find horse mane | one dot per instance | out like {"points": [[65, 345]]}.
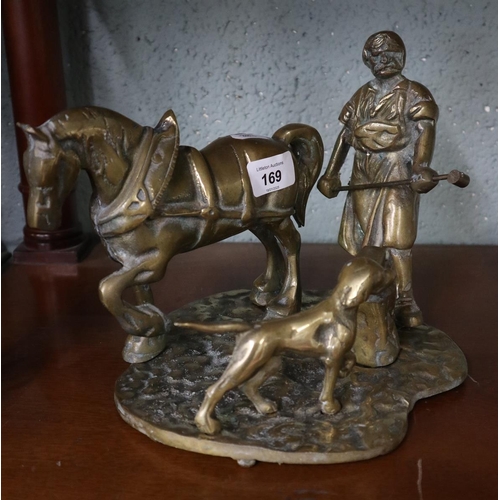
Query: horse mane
{"points": [[73, 121]]}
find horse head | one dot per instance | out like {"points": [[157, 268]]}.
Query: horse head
{"points": [[51, 172]]}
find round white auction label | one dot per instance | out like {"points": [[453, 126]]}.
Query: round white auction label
{"points": [[271, 174]]}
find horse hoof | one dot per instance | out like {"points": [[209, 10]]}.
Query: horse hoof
{"points": [[281, 307], [142, 349], [276, 310], [260, 298]]}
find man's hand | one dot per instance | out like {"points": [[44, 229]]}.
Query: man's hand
{"points": [[423, 182], [329, 186]]}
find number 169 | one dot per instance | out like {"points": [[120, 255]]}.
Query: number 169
{"points": [[272, 177]]}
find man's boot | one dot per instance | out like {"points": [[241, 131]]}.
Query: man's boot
{"points": [[406, 311]]}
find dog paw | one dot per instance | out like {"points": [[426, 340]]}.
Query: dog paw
{"points": [[266, 406], [330, 407], [207, 425]]}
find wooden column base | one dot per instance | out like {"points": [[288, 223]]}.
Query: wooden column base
{"points": [[36, 73], [23, 254]]}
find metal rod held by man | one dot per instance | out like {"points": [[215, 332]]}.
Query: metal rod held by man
{"points": [[454, 177]]}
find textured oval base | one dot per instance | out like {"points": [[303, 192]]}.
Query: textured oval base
{"points": [[161, 397]]}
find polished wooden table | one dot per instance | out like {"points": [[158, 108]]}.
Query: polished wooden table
{"points": [[63, 439]]}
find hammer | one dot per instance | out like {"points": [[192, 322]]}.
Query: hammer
{"points": [[455, 177]]}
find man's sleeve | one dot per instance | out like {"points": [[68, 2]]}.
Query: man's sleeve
{"points": [[349, 109], [346, 113], [423, 105]]}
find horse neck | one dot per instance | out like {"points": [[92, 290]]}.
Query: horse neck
{"points": [[104, 142]]}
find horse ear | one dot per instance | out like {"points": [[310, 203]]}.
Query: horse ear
{"points": [[33, 132], [167, 120]]}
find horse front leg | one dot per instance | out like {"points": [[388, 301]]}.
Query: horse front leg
{"points": [[143, 294], [269, 283], [289, 300], [144, 319], [146, 325], [138, 349]]}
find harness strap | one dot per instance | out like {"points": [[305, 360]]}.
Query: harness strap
{"points": [[205, 183], [152, 168], [247, 212], [132, 205]]}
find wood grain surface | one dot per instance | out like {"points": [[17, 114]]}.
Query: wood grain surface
{"points": [[62, 437]]}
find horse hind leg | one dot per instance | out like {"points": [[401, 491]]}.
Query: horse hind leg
{"points": [[289, 299], [269, 283]]}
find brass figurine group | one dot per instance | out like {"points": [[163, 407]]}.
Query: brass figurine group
{"points": [[154, 198]]}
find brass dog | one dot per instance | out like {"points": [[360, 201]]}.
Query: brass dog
{"points": [[327, 330]]}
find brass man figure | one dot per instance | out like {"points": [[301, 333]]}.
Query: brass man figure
{"points": [[390, 122]]}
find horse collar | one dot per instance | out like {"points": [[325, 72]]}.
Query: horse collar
{"points": [[132, 205]]}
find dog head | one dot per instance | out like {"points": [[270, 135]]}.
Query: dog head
{"points": [[360, 278]]}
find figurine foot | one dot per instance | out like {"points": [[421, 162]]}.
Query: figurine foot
{"points": [[330, 407], [264, 290], [281, 308], [141, 349], [246, 463], [407, 313], [207, 425], [261, 298]]}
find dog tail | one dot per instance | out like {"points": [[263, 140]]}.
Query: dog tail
{"points": [[227, 327]]}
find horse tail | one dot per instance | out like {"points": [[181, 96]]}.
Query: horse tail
{"points": [[228, 327], [307, 147]]}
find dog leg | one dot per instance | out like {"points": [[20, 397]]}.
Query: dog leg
{"points": [[251, 387], [349, 362], [203, 419], [240, 368], [328, 403]]}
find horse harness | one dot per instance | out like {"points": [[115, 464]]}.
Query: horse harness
{"points": [[152, 168]]}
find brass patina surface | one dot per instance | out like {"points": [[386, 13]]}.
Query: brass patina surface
{"points": [[160, 398], [154, 199]]}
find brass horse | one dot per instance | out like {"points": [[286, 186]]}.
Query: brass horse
{"points": [[153, 199]]}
